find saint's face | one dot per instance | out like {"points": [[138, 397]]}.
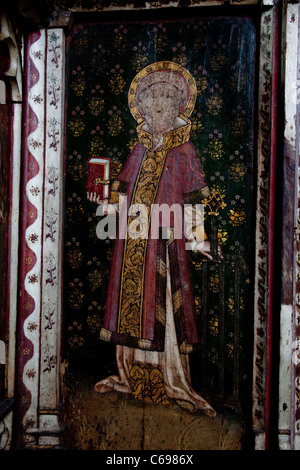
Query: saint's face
{"points": [[159, 104]]}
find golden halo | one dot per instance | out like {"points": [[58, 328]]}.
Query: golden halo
{"points": [[163, 66]]}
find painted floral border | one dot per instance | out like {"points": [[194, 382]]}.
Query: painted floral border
{"points": [[39, 323]]}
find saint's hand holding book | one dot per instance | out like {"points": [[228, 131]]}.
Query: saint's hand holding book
{"points": [[98, 182]]}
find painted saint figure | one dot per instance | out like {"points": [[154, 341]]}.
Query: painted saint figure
{"points": [[150, 310]]}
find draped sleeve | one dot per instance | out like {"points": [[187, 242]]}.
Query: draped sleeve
{"points": [[194, 184], [194, 190], [126, 177]]}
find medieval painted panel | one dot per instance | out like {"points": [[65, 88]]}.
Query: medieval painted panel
{"points": [[158, 114]]}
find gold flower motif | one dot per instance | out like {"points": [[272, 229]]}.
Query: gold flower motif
{"points": [[202, 84], [237, 217], [77, 127], [213, 324], [139, 61], [197, 264], [74, 258], [117, 84], [96, 105], [81, 44], [215, 148], [230, 304], [230, 349], [98, 62], [120, 41], [95, 279], [96, 145], [94, 323], [76, 341], [214, 282], [222, 237], [75, 171], [238, 125], [218, 60], [76, 298], [181, 59], [196, 127], [75, 211], [198, 304], [214, 104], [115, 125], [237, 171], [161, 43], [78, 86], [200, 41]]}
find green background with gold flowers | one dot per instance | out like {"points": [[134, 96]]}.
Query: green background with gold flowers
{"points": [[102, 60]]}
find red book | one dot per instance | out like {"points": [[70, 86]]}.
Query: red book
{"points": [[98, 176]]}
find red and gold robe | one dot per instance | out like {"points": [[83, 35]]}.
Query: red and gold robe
{"points": [[135, 312]]}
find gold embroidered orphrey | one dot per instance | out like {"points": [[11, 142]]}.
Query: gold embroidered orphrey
{"points": [[144, 193]]}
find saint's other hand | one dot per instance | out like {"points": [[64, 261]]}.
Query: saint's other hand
{"points": [[107, 208], [204, 248], [94, 197]]}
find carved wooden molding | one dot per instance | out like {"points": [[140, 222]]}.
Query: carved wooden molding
{"points": [[13, 74], [289, 372]]}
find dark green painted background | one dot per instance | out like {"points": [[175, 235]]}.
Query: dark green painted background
{"points": [[102, 59]]}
